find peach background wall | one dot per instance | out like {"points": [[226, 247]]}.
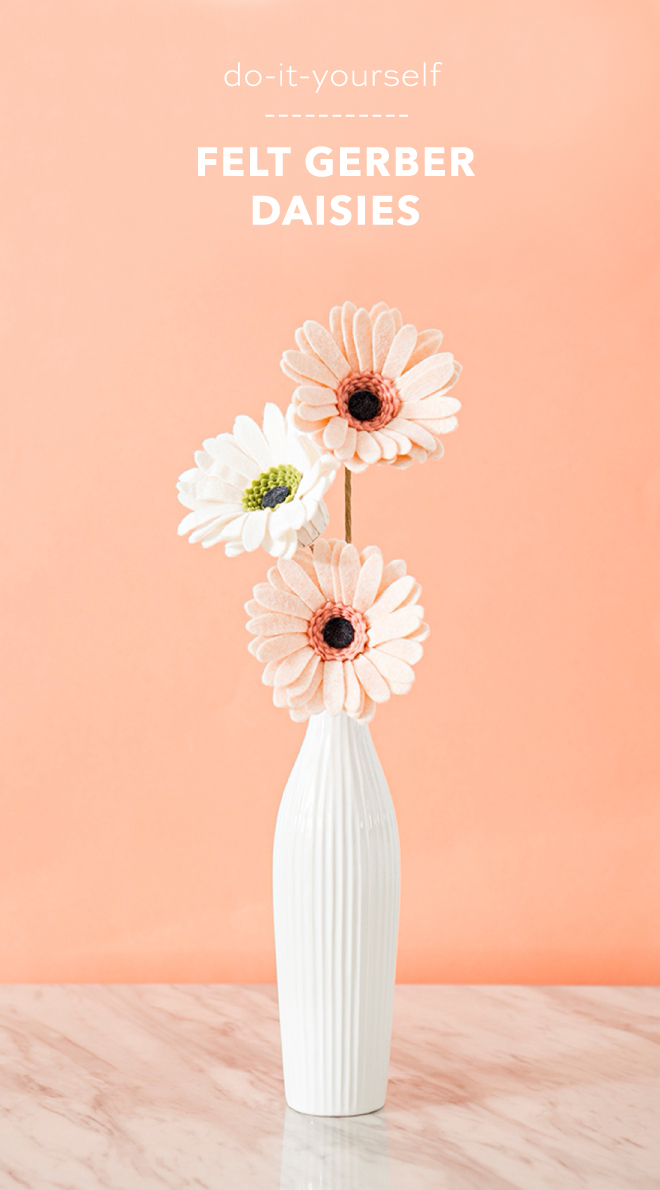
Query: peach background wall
{"points": [[142, 759]]}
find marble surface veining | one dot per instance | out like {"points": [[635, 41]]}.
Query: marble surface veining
{"points": [[134, 1088]]}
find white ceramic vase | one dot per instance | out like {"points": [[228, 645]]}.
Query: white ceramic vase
{"points": [[336, 905]]}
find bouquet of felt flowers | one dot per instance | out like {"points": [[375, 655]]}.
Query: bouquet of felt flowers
{"points": [[337, 630]]}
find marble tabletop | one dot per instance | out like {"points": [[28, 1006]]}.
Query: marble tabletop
{"points": [[140, 1087]]}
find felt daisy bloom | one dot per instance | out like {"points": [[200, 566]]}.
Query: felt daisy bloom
{"points": [[257, 487], [337, 630], [371, 390]]}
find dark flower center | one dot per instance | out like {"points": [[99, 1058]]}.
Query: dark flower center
{"points": [[363, 405], [338, 633], [275, 496]]}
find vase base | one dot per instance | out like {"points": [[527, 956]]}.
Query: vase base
{"points": [[313, 1111]]}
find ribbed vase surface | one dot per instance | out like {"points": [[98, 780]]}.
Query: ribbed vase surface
{"points": [[336, 905]]}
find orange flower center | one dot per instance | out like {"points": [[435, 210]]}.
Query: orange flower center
{"points": [[367, 400], [337, 632]]}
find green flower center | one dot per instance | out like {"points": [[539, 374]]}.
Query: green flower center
{"points": [[273, 487]]}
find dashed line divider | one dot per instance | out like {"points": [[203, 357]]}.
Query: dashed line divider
{"points": [[338, 115]]}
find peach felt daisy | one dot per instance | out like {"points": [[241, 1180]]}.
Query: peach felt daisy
{"points": [[371, 390], [338, 630]]}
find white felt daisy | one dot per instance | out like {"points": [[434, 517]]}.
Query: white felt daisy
{"points": [[257, 487], [338, 630], [371, 390]]}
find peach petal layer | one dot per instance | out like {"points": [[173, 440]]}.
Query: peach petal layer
{"points": [[332, 580], [373, 351]]}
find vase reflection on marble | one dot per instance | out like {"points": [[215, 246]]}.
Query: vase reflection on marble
{"points": [[336, 908], [335, 1154]]}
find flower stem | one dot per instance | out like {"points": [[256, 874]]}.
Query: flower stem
{"points": [[348, 520]]}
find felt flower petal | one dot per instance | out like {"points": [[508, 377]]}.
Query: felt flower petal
{"points": [[349, 572], [430, 408], [252, 441], [274, 624], [301, 584], [391, 598], [412, 596], [368, 582], [207, 515], [269, 671], [381, 338], [285, 545], [354, 696], [367, 447], [312, 394], [276, 647], [326, 349], [362, 336], [323, 567], [403, 648], [253, 530], [428, 343], [274, 429], [333, 686], [284, 602], [224, 450], [315, 704], [305, 559], [223, 529], [393, 669], [416, 433], [306, 414], [347, 450], [290, 516], [368, 710], [213, 488], [335, 327], [373, 682], [337, 551], [443, 425], [305, 696], [276, 581], [307, 365], [427, 377], [399, 352], [303, 344], [293, 665], [303, 683], [368, 552], [386, 443], [335, 432], [403, 622], [348, 313], [255, 645], [375, 310]]}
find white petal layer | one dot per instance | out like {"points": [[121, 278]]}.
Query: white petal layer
{"points": [[214, 490]]}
